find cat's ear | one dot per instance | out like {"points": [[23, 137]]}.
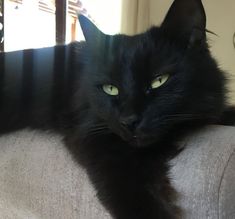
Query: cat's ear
{"points": [[186, 20], [89, 29]]}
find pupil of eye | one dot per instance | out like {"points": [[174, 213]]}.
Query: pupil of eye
{"points": [[160, 80]]}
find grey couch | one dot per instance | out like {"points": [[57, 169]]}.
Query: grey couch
{"points": [[40, 180]]}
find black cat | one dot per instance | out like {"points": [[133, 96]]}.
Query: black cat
{"points": [[121, 102]]}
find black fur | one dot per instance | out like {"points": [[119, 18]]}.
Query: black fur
{"points": [[60, 89]]}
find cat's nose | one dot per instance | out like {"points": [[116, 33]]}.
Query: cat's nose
{"points": [[129, 122]]}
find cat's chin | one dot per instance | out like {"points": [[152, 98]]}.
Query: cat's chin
{"points": [[140, 142], [137, 141]]}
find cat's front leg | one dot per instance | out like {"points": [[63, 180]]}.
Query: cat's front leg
{"points": [[136, 188]]}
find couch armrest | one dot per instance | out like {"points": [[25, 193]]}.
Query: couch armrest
{"points": [[39, 178], [204, 173]]}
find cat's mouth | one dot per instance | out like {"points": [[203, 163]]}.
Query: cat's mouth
{"points": [[135, 138], [138, 141]]}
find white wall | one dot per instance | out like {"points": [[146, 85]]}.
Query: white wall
{"points": [[221, 20]]}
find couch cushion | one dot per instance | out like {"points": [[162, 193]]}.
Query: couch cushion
{"points": [[204, 173], [40, 180]]}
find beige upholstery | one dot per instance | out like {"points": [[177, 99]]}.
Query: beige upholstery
{"points": [[204, 174], [39, 179]]}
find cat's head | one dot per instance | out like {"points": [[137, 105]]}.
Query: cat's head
{"points": [[146, 86]]}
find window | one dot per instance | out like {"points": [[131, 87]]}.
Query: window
{"points": [[42, 23], [28, 24], [1, 26], [73, 28]]}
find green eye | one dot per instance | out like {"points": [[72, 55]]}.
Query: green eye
{"points": [[159, 81], [110, 89]]}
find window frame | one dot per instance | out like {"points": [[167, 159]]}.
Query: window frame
{"points": [[2, 21]]}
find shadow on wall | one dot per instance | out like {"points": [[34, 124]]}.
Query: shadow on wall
{"points": [[234, 40]]}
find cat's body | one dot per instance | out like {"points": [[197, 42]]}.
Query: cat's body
{"points": [[121, 103], [37, 86]]}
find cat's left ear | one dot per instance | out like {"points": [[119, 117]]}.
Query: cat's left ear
{"points": [[89, 29], [186, 20]]}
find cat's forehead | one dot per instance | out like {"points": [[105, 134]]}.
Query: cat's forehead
{"points": [[144, 48], [130, 46], [144, 53], [127, 63]]}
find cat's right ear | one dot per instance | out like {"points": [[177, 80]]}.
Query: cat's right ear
{"points": [[89, 29], [186, 20]]}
